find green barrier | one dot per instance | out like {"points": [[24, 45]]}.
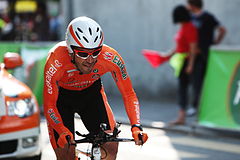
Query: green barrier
{"points": [[34, 57], [220, 100], [34, 60], [36, 80]]}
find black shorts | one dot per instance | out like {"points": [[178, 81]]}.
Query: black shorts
{"points": [[88, 103]]}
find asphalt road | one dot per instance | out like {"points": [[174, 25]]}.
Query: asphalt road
{"points": [[163, 145]]}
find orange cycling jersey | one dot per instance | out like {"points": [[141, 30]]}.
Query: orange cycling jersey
{"points": [[61, 72]]}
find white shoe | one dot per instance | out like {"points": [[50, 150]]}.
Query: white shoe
{"points": [[191, 111]]}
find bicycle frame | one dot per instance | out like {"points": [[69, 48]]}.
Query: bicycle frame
{"points": [[98, 140]]}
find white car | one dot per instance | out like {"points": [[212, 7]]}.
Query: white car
{"points": [[19, 115]]}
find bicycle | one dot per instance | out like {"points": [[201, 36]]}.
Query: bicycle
{"points": [[97, 140]]}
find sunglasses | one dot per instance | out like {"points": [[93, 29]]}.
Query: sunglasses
{"points": [[85, 53]]}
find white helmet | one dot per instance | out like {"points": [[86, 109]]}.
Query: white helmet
{"points": [[84, 32]]}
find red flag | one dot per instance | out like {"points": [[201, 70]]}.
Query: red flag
{"points": [[154, 57]]}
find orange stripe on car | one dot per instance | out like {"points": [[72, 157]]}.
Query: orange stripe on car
{"points": [[10, 124]]}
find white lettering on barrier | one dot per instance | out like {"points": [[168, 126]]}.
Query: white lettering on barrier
{"points": [[237, 95]]}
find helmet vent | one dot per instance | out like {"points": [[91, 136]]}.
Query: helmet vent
{"points": [[85, 39], [90, 31], [97, 29], [77, 35], [95, 39], [100, 35], [79, 30]]}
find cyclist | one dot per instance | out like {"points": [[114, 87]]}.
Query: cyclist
{"points": [[72, 84]]}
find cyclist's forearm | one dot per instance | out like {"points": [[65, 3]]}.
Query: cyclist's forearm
{"points": [[132, 108], [54, 119], [130, 101]]}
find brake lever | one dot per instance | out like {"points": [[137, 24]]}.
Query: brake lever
{"points": [[79, 134], [83, 135], [116, 132]]}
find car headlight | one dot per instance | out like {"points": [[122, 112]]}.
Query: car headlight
{"points": [[21, 108]]}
